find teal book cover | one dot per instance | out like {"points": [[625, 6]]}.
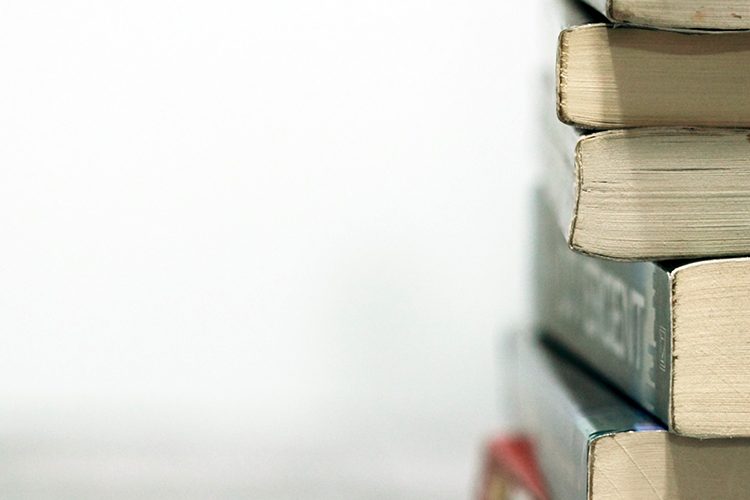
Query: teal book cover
{"points": [[591, 442]]}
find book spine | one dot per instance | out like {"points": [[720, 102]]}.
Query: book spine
{"points": [[554, 423], [615, 316], [564, 410], [569, 13], [603, 6], [556, 147]]}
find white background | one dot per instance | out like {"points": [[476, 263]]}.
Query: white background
{"points": [[259, 249]]}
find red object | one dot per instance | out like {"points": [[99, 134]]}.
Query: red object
{"points": [[510, 468]]}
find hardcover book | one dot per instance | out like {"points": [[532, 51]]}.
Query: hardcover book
{"points": [[592, 444], [671, 335]]}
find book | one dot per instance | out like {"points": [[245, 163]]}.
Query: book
{"points": [[510, 470], [678, 14], [592, 444], [652, 193], [671, 335], [617, 77]]}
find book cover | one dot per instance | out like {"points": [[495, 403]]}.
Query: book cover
{"points": [[565, 411], [510, 470], [671, 335], [592, 443]]}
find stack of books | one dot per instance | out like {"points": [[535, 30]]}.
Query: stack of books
{"points": [[635, 382]]}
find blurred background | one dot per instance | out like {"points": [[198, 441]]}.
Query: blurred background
{"points": [[259, 249]]}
